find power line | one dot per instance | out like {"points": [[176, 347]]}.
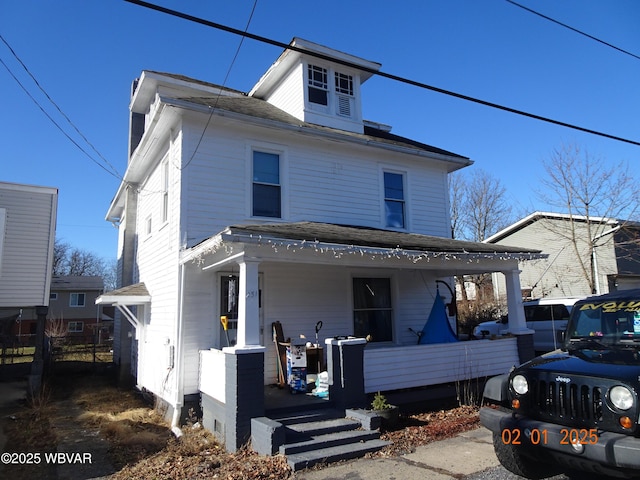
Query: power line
{"points": [[53, 121], [574, 29], [372, 71], [226, 77], [114, 171]]}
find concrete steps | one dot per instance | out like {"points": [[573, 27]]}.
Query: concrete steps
{"points": [[326, 436]]}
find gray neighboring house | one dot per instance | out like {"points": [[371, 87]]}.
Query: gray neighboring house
{"points": [[73, 310], [615, 260]]}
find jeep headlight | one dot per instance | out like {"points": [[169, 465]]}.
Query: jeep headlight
{"points": [[621, 397], [519, 384]]}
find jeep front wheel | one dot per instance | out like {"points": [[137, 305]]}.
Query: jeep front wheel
{"points": [[513, 458]]}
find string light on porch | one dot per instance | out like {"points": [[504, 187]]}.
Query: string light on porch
{"points": [[339, 251]]}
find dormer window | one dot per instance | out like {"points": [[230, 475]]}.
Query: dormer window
{"points": [[318, 87], [344, 84]]}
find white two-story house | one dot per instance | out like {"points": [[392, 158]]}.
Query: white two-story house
{"points": [[284, 205]]}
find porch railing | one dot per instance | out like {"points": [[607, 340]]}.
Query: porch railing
{"points": [[392, 368]]}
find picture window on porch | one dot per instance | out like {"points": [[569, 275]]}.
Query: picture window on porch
{"points": [[267, 191], [372, 309], [394, 203]]}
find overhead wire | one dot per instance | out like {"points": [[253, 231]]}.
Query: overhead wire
{"points": [[379, 73], [224, 82], [113, 171], [626, 52], [53, 120]]}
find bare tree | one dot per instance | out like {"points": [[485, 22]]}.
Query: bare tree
{"points": [[68, 260], [602, 197], [479, 209], [479, 206]]}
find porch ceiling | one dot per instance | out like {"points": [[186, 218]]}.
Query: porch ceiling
{"points": [[312, 241]]}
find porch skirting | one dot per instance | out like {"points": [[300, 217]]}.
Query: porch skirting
{"points": [[394, 368]]}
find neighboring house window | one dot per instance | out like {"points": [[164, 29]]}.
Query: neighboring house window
{"points": [[394, 202], [267, 190], [372, 312], [317, 83], [53, 296], [76, 327], [76, 300], [165, 191]]}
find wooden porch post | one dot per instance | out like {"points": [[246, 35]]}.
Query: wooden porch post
{"points": [[248, 304]]}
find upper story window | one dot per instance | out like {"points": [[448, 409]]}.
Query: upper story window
{"points": [[267, 190], [344, 83], [394, 201], [77, 300], [318, 85]]}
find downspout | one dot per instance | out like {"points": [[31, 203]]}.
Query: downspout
{"points": [[178, 360]]}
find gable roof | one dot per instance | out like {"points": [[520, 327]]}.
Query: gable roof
{"points": [[537, 216]]}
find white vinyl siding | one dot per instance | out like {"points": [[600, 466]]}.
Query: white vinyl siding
{"points": [[29, 229], [157, 266], [322, 181]]}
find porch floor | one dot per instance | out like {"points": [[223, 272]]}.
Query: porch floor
{"points": [[278, 400]]}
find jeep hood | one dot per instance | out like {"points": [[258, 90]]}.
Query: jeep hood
{"points": [[620, 364]]}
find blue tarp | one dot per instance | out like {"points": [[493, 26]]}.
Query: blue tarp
{"points": [[437, 329]]}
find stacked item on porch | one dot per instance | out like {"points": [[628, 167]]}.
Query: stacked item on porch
{"points": [[297, 368]]}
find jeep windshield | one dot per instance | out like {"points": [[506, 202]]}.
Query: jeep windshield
{"points": [[604, 324]]}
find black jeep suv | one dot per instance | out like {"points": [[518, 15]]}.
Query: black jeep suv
{"points": [[574, 410]]}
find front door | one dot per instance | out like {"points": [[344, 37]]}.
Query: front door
{"points": [[228, 301]]}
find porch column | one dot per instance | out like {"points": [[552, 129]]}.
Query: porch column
{"points": [[248, 304], [517, 321]]}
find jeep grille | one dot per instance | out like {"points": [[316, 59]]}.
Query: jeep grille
{"points": [[569, 400]]}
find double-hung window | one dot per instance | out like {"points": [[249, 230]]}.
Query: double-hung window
{"points": [[77, 300], [372, 310], [317, 85], [394, 200], [75, 327], [267, 190]]}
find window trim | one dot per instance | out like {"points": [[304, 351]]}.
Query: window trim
{"points": [[282, 152], [75, 323], [77, 305], [392, 298], [404, 201]]}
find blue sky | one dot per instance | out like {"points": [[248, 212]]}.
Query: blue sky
{"points": [[85, 54]]}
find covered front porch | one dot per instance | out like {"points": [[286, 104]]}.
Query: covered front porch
{"points": [[299, 274]]}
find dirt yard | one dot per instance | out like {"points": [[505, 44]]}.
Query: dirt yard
{"points": [[84, 414]]}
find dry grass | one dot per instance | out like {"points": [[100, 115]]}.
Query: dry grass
{"points": [[143, 447]]}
